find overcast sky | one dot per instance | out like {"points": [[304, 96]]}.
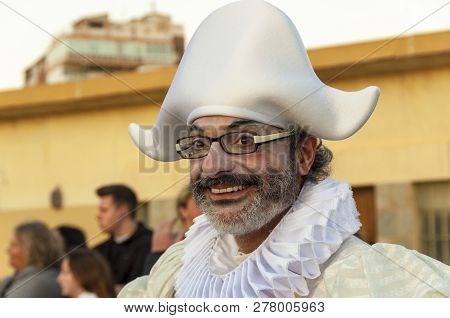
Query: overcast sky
{"points": [[320, 22]]}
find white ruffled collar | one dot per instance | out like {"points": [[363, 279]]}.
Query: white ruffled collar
{"points": [[322, 217]]}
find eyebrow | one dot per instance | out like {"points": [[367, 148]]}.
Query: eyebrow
{"points": [[236, 123], [194, 127], [240, 122]]}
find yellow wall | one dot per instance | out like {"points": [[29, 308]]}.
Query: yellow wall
{"points": [[407, 138], [78, 152]]}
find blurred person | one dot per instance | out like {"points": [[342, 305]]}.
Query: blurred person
{"points": [[34, 252], [247, 110], [85, 274], [73, 237], [129, 242], [163, 237]]}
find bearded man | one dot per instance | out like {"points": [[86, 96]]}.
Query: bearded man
{"points": [[247, 110]]}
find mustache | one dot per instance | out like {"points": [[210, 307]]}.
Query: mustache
{"points": [[227, 179]]}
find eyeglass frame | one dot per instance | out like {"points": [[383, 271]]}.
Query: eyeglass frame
{"points": [[257, 139]]}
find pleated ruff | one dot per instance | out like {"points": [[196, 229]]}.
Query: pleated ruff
{"points": [[322, 217]]}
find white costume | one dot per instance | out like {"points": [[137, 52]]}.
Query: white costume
{"points": [[311, 253], [247, 60]]}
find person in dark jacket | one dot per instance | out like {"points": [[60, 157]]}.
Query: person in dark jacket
{"points": [[34, 252], [129, 241]]}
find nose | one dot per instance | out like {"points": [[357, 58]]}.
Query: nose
{"points": [[217, 161]]}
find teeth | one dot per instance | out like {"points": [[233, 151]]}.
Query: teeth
{"points": [[226, 190]]}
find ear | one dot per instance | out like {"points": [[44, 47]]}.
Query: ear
{"points": [[184, 213], [306, 152], [123, 210]]}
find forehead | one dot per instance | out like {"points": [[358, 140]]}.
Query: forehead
{"points": [[15, 239], [106, 199], [214, 124], [217, 122]]}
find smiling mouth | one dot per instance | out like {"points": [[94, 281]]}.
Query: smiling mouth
{"points": [[228, 190]]}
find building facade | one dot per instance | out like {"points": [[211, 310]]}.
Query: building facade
{"points": [[73, 137], [96, 45]]}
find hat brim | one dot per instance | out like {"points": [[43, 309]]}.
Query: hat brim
{"points": [[341, 115]]}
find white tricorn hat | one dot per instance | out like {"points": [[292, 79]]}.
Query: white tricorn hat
{"points": [[247, 60]]}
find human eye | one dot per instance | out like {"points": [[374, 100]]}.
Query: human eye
{"points": [[243, 139], [198, 142]]}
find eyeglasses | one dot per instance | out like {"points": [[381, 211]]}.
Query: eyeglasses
{"points": [[235, 143]]}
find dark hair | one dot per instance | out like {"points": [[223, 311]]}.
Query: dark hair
{"points": [[92, 272], [320, 168], [73, 237], [43, 246], [121, 195]]}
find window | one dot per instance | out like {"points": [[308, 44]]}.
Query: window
{"points": [[365, 202], [434, 208], [435, 234], [96, 24]]}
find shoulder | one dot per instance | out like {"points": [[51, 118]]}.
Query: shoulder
{"points": [[161, 280], [172, 256], [384, 270], [45, 279], [142, 237], [137, 288], [4, 283], [36, 284], [101, 246], [142, 230]]}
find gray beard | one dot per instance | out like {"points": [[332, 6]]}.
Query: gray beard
{"points": [[273, 196]]}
